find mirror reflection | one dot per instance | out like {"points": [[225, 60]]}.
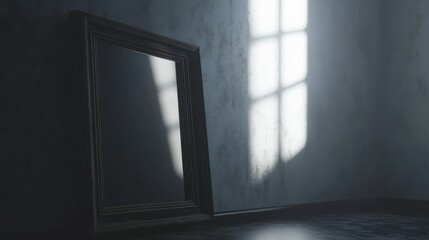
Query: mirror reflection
{"points": [[139, 119]]}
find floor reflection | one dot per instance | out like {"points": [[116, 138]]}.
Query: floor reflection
{"points": [[344, 226], [285, 232]]}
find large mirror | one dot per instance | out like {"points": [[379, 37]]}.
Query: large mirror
{"points": [[146, 127], [139, 119]]}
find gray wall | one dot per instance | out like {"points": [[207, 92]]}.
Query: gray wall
{"points": [[338, 161], [404, 91], [44, 180]]}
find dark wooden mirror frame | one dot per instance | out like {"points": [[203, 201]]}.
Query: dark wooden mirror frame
{"points": [[198, 205]]}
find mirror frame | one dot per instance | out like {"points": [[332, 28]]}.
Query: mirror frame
{"points": [[196, 172]]}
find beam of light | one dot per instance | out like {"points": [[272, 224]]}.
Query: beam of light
{"points": [[294, 58], [294, 15], [264, 142], [176, 150], [277, 83], [263, 67], [164, 73], [293, 120], [169, 105], [286, 233], [163, 70], [263, 17]]}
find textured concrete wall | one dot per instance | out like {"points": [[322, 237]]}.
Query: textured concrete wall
{"points": [[338, 161], [44, 181], [405, 90]]}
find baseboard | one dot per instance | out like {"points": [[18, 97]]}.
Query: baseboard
{"points": [[372, 205], [400, 205]]}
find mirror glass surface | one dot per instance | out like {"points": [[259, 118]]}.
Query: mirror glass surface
{"points": [[139, 127]]}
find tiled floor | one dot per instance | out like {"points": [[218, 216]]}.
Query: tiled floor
{"points": [[346, 226]]}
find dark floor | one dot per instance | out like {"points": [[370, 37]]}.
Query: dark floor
{"points": [[345, 226]]}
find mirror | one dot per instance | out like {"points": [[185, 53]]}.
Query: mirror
{"points": [[139, 120], [145, 127]]}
